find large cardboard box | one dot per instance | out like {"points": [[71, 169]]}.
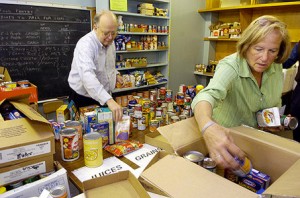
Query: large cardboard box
{"points": [[21, 171], [25, 139], [36, 188], [5, 73], [122, 184], [269, 153], [156, 139]]}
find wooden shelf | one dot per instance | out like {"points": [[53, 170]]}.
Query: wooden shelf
{"points": [[256, 6], [209, 74], [135, 88], [148, 66], [220, 39]]}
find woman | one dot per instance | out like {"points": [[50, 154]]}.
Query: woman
{"points": [[244, 83]]}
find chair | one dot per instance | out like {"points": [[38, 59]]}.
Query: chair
{"points": [[50, 107]]}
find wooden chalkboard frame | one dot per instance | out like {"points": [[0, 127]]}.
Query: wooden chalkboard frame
{"points": [[37, 44]]}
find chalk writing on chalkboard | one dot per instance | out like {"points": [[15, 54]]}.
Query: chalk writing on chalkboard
{"points": [[37, 44]]}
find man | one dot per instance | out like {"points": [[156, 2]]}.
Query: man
{"points": [[93, 75]]}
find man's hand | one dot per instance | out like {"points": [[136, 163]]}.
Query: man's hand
{"points": [[116, 110]]}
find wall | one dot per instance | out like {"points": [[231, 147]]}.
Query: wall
{"points": [[186, 42], [56, 3]]}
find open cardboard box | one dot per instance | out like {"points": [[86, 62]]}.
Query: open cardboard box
{"points": [[156, 139], [122, 184], [27, 138], [35, 189], [271, 154]]}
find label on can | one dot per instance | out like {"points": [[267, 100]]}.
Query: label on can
{"points": [[92, 143], [78, 126], [142, 123], [153, 125], [69, 144]]}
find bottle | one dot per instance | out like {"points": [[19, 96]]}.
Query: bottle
{"points": [[289, 122]]}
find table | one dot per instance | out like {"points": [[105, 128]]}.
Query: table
{"points": [[73, 165]]}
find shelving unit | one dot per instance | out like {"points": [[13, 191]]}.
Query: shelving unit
{"points": [[158, 59], [219, 48]]}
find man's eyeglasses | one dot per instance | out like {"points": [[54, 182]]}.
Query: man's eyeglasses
{"points": [[106, 34]]}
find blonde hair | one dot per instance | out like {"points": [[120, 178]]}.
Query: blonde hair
{"points": [[98, 16], [258, 30]]}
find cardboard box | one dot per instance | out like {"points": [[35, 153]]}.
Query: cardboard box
{"points": [[269, 153], [27, 138], [31, 91], [35, 189], [156, 139], [5, 73], [122, 184], [21, 171]]}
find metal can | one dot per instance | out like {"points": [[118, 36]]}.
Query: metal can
{"points": [[92, 143], [209, 164], [146, 105], [59, 191], [289, 122], [158, 112], [162, 93], [180, 98], [119, 100], [169, 95], [138, 111], [174, 119], [69, 144], [78, 126], [124, 102], [182, 88], [14, 185], [146, 94], [194, 156], [153, 95], [142, 123], [182, 117], [245, 167], [153, 125]]}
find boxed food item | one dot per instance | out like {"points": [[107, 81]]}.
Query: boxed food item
{"points": [[34, 189], [26, 169], [122, 184], [25, 138], [62, 113], [273, 155]]}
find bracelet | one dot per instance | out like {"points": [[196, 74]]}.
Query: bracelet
{"points": [[208, 124]]}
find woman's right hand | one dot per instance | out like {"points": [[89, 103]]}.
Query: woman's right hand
{"points": [[221, 146]]}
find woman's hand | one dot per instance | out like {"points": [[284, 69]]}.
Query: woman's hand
{"points": [[221, 146]]}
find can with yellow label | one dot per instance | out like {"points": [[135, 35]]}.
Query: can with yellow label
{"points": [[92, 146]]}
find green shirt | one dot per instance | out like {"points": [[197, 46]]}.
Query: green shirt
{"points": [[235, 95]]}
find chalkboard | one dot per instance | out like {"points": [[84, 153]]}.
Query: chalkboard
{"points": [[37, 44]]}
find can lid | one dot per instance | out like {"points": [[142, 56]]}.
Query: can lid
{"points": [[194, 156], [92, 136], [209, 163], [293, 124]]}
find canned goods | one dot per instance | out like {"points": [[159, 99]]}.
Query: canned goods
{"points": [[124, 101], [153, 95], [78, 126], [69, 144], [182, 88], [59, 191], [180, 98], [153, 125], [158, 112], [146, 115], [138, 111], [119, 100], [14, 185], [134, 122], [245, 167], [168, 95], [289, 122], [146, 94], [182, 117], [151, 113], [209, 164], [174, 119], [146, 105], [92, 143], [194, 156], [142, 123], [162, 93]]}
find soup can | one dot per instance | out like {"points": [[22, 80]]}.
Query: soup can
{"points": [[69, 144], [142, 123], [78, 126], [153, 125], [59, 191], [209, 164], [194, 156], [92, 143]]}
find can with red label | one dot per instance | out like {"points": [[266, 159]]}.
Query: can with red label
{"points": [[180, 98], [153, 95], [78, 126], [168, 95], [69, 144], [182, 88], [162, 93]]}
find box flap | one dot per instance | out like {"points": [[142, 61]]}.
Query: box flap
{"points": [[5, 72], [156, 139], [183, 133], [288, 185], [29, 112], [124, 181], [191, 180]]}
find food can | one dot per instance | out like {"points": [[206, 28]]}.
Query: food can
{"points": [[140, 94], [153, 95], [151, 113], [289, 122], [43, 175], [124, 102], [146, 115], [168, 95], [158, 112], [146, 94], [69, 144], [14, 185], [162, 93], [209, 164], [174, 119], [194, 156], [92, 143], [182, 88], [59, 191], [153, 125], [146, 105], [142, 123], [138, 111], [119, 100], [78, 126], [245, 167], [182, 117]]}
